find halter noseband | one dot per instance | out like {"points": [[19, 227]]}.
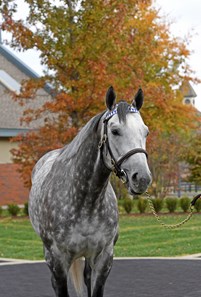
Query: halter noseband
{"points": [[120, 173]]}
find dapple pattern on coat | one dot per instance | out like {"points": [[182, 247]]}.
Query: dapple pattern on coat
{"points": [[73, 207]]}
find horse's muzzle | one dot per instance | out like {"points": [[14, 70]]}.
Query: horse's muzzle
{"points": [[138, 183]]}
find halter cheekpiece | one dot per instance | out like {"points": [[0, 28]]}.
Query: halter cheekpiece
{"points": [[105, 141]]}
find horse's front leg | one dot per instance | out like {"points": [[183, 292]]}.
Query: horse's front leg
{"points": [[59, 277], [102, 270], [87, 277]]}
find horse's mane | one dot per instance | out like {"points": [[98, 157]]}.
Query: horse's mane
{"points": [[87, 131], [90, 129]]}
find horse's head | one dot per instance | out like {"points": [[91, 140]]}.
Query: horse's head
{"points": [[124, 142]]}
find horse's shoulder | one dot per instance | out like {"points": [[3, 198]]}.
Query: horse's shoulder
{"points": [[45, 162]]}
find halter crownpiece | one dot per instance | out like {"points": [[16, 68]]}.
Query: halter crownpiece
{"points": [[110, 114]]}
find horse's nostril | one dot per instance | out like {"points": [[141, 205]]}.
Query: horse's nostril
{"points": [[134, 177]]}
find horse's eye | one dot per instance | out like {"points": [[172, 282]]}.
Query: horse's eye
{"points": [[147, 133], [115, 132]]}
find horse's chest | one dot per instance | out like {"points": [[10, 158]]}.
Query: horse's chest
{"points": [[87, 234], [86, 237]]}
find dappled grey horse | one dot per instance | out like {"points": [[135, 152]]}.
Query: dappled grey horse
{"points": [[72, 205]]}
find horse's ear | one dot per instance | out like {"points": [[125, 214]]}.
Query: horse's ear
{"points": [[138, 100], [110, 98]]}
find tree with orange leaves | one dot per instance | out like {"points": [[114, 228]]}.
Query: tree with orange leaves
{"points": [[87, 46]]}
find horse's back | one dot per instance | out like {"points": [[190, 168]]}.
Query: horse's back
{"points": [[39, 174]]}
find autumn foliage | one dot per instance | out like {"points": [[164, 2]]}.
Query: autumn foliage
{"points": [[87, 46]]}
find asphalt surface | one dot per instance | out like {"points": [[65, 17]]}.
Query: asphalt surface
{"points": [[138, 277]]}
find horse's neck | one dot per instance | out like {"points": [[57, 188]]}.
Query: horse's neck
{"points": [[100, 176], [89, 175], [91, 167]]}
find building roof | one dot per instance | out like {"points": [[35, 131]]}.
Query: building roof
{"points": [[187, 90], [12, 72], [17, 62], [9, 82]]}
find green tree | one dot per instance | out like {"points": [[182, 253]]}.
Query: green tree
{"points": [[192, 156]]}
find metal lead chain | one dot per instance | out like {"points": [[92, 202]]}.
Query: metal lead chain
{"points": [[174, 226]]}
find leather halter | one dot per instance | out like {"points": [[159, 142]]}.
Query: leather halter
{"points": [[120, 173]]}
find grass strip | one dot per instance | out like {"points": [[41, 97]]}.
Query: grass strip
{"points": [[140, 236]]}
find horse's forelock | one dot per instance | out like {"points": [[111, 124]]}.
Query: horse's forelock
{"points": [[122, 110]]}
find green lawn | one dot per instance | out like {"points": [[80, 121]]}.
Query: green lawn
{"points": [[140, 236], [18, 240]]}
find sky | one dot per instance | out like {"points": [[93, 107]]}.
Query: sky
{"points": [[185, 16]]}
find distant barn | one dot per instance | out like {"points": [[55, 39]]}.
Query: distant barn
{"points": [[188, 93]]}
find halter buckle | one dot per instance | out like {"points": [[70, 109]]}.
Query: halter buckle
{"points": [[120, 173], [102, 141], [123, 177]]}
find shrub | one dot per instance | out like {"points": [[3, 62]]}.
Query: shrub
{"points": [[120, 205], [26, 209], [128, 205], [158, 204], [185, 203], [142, 204], [171, 204], [197, 205], [1, 210], [13, 209]]}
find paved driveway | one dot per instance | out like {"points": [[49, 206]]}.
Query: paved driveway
{"points": [[136, 277]]}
